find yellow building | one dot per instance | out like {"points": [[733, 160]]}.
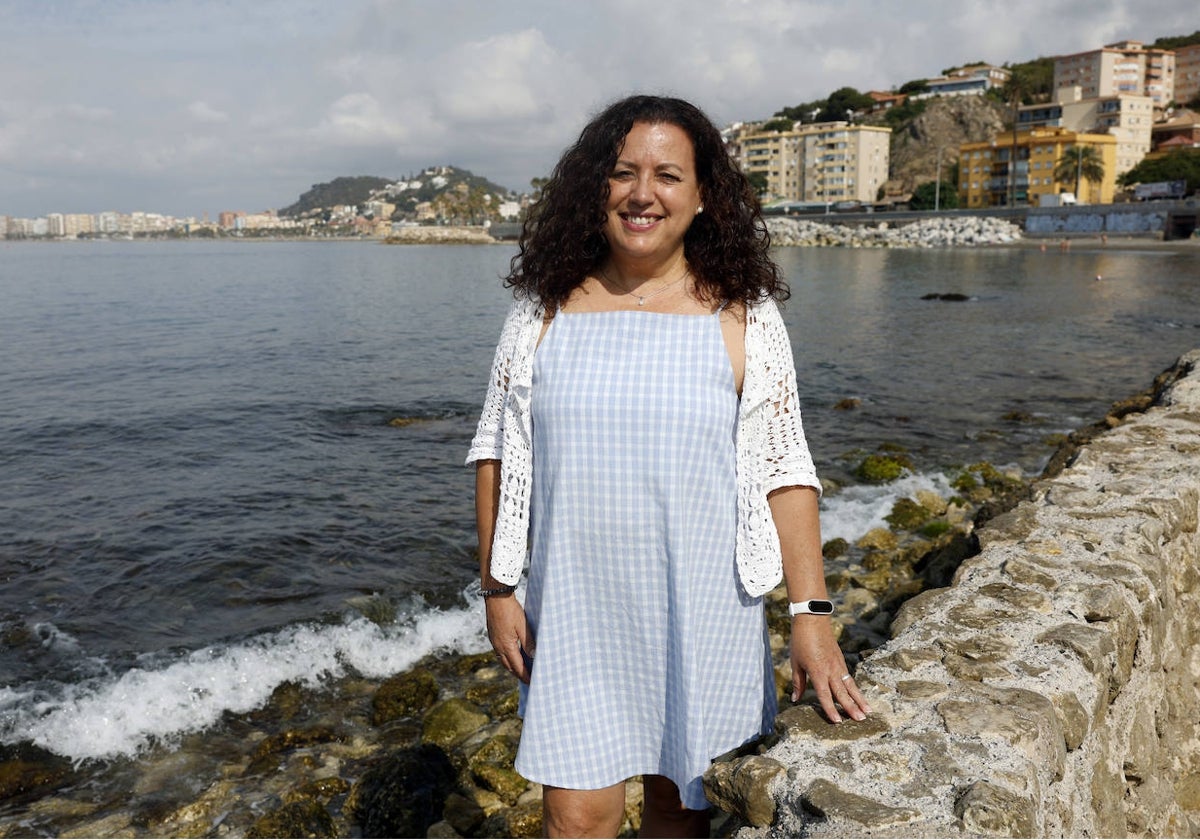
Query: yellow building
{"points": [[1019, 171], [816, 162]]}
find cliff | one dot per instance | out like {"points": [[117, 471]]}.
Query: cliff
{"points": [[945, 123], [1052, 690]]}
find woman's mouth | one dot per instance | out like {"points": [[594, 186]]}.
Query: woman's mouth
{"points": [[639, 221]]}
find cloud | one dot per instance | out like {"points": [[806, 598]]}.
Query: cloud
{"points": [[202, 112], [173, 105]]}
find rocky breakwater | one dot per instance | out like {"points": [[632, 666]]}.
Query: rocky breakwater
{"points": [[439, 235], [947, 231], [1051, 690]]}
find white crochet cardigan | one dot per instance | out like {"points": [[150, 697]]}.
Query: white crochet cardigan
{"points": [[771, 449]]}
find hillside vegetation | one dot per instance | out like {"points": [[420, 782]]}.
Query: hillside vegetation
{"points": [[454, 193]]}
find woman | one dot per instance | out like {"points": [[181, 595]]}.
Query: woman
{"points": [[641, 437]]}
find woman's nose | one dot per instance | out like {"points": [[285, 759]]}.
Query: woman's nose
{"points": [[643, 191]]}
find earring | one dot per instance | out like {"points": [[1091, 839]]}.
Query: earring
{"points": [[700, 209]]}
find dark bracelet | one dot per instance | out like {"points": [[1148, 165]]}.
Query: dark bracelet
{"points": [[499, 590]]}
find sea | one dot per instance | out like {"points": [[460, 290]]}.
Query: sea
{"points": [[228, 465]]}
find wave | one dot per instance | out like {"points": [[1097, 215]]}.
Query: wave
{"points": [[856, 510], [106, 719], [111, 716]]}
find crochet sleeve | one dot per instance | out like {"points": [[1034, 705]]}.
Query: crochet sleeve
{"points": [[786, 459], [488, 443]]}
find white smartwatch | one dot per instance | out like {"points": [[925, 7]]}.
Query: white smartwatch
{"points": [[813, 606]]}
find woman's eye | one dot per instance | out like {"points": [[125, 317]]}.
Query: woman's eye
{"points": [[621, 175]]}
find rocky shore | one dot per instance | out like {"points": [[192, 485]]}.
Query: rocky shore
{"points": [[429, 752], [941, 232]]}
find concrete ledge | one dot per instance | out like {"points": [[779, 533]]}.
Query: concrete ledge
{"points": [[1053, 690]]}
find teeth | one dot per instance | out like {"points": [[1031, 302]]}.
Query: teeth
{"points": [[641, 220]]}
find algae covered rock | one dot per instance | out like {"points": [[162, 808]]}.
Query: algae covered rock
{"points": [[404, 695], [404, 794], [25, 769], [451, 721], [907, 515], [886, 465], [302, 818], [492, 767]]}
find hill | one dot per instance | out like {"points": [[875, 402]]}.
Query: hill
{"points": [[352, 190], [942, 123], [453, 192]]}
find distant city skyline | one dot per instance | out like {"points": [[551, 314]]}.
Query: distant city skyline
{"points": [[189, 108]]}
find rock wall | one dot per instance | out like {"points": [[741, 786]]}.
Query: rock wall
{"points": [[1052, 690]]}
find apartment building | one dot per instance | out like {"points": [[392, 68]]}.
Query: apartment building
{"points": [[819, 162], [974, 79], [1187, 74], [1128, 118], [1008, 171], [1126, 67]]}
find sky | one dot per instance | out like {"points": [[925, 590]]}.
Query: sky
{"points": [[188, 107]]}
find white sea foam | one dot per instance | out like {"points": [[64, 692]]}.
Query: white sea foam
{"points": [[102, 719], [857, 509]]}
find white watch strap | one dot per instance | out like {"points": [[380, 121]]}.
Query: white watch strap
{"points": [[813, 606]]}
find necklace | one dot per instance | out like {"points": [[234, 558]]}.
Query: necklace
{"points": [[641, 299]]}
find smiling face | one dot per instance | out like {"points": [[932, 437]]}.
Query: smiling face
{"points": [[653, 196]]}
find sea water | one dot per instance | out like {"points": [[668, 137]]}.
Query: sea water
{"points": [[228, 465]]}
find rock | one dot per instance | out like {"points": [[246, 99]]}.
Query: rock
{"points": [[953, 297], [907, 515], [807, 721], [501, 779], [28, 769], [266, 755], [304, 818], [834, 548], [452, 721], [830, 802], [879, 468], [742, 787], [523, 821], [878, 539], [403, 794], [404, 695], [463, 814], [442, 831], [989, 810]]}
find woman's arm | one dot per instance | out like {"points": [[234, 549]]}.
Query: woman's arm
{"points": [[815, 655], [507, 627]]}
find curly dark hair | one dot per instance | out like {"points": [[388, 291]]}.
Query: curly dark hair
{"points": [[562, 240]]}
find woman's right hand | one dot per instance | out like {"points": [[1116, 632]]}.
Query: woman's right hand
{"points": [[508, 631]]}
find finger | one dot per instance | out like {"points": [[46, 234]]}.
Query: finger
{"points": [[844, 697], [799, 681], [857, 696], [825, 699], [523, 666]]}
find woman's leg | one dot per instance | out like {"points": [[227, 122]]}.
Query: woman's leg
{"points": [[663, 815], [583, 813]]}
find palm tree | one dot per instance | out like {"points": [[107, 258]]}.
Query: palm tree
{"points": [[1078, 163]]}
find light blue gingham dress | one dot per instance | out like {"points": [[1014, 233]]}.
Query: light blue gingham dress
{"points": [[650, 657]]}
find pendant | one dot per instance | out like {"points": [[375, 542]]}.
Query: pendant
{"points": [[641, 301]]}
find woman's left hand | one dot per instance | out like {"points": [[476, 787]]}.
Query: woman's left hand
{"points": [[817, 659]]}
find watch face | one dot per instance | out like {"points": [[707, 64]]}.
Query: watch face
{"points": [[820, 607]]}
